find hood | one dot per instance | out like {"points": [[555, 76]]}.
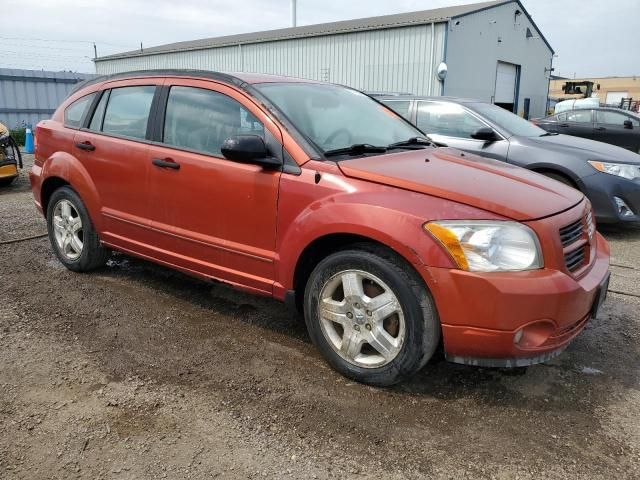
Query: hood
{"points": [[582, 147], [483, 183]]}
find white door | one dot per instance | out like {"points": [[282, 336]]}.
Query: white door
{"points": [[506, 76], [614, 98]]}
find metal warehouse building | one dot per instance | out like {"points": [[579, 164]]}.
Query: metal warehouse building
{"points": [[28, 96], [493, 52]]}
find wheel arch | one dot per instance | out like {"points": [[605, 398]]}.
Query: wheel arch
{"points": [[558, 170]]}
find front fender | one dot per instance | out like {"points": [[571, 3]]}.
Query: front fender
{"points": [[390, 216], [70, 169]]}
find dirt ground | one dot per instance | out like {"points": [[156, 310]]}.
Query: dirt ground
{"points": [[136, 371]]}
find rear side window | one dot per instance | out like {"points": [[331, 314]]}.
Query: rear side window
{"points": [[127, 112], [201, 120], [75, 113], [562, 117], [400, 107], [579, 116]]}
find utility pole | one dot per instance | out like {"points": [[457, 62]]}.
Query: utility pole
{"points": [[293, 13], [95, 50]]}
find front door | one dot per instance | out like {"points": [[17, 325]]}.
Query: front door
{"points": [[610, 128], [114, 151], [451, 124], [578, 123], [220, 214]]}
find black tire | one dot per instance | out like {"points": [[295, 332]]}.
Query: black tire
{"points": [[93, 254], [5, 182], [422, 326]]}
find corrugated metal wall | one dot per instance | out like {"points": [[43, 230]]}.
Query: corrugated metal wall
{"points": [[391, 60], [28, 96]]}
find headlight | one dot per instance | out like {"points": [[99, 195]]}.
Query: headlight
{"points": [[488, 246], [623, 170]]}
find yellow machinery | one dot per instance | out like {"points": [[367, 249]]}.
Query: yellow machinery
{"points": [[10, 158]]}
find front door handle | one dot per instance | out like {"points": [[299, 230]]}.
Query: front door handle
{"points": [[600, 128], [165, 163], [86, 146], [563, 125]]}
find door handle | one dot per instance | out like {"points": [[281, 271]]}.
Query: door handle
{"points": [[165, 163], [600, 128], [86, 146], [563, 125]]}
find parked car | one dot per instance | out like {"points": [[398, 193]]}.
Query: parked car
{"points": [[609, 125], [609, 176], [317, 195]]}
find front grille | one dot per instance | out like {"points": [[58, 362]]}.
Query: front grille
{"points": [[571, 233], [575, 259]]}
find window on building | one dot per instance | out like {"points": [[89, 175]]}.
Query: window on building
{"points": [[448, 119], [127, 112], [201, 120], [75, 113]]}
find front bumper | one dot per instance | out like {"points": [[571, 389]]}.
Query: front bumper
{"points": [[601, 188], [482, 313]]}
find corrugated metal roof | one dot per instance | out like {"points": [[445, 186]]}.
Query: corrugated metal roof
{"points": [[360, 24]]}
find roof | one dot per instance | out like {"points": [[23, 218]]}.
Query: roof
{"points": [[431, 98], [238, 79], [361, 24]]}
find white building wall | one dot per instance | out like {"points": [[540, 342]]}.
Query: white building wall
{"points": [[390, 60], [473, 51]]}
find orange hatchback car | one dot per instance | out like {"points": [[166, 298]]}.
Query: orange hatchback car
{"points": [[318, 195]]}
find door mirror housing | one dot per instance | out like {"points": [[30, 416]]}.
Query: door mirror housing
{"points": [[628, 124], [249, 149], [485, 133]]}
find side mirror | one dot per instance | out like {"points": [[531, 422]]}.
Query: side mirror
{"points": [[249, 149], [485, 133], [628, 124]]}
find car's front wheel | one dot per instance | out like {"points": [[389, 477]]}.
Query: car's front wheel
{"points": [[371, 316], [71, 232]]}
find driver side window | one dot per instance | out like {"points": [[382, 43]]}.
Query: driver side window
{"points": [[201, 120], [448, 119]]}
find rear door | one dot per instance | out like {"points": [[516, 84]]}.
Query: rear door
{"points": [[452, 124], [578, 123], [220, 215], [113, 148], [610, 128]]}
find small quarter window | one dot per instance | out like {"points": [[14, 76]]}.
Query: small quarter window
{"points": [[398, 106], [127, 112], [579, 116], [75, 113]]}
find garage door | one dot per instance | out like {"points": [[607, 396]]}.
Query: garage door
{"points": [[614, 98], [506, 76]]}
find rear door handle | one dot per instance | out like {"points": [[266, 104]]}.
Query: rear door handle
{"points": [[85, 146], [563, 125], [165, 163], [600, 128]]}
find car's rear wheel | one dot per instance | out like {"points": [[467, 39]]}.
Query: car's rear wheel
{"points": [[72, 234], [371, 316]]}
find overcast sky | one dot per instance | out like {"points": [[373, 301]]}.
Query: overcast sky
{"points": [[591, 38]]}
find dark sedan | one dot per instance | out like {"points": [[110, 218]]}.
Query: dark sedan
{"points": [[609, 125], [608, 175]]}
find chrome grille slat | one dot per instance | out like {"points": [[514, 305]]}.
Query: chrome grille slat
{"points": [[574, 260], [571, 233]]}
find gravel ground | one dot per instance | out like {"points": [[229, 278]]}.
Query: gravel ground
{"points": [[136, 371]]}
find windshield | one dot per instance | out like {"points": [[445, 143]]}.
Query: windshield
{"points": [[335, 117], [507, 121]]}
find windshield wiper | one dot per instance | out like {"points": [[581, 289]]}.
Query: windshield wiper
{"points": [[355, 149], [549, 134], [412, 143]]}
